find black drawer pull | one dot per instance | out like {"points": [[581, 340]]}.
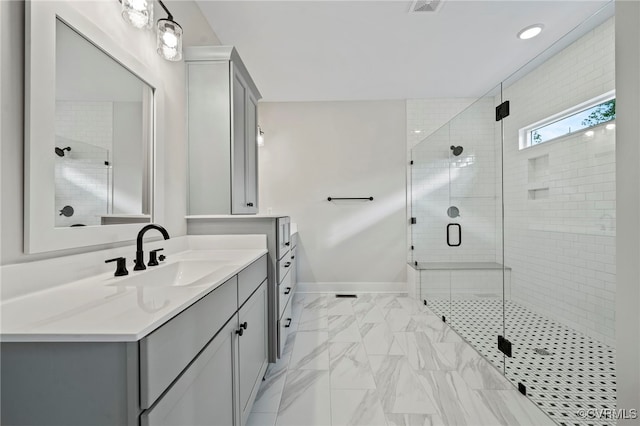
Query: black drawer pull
{"points": [[286, 265], [240, 332], [244, 325], [293, 257], [249, 204], [288, 290], [288, 324]]}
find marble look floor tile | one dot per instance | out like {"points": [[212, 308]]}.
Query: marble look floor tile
{"points": [[394, 419], [514, 409], [368, 313], [350, 367], [435, 329], [457, 403], [400, 389], [400, 320], [477, 372], [315, 300], [387, 301], [344, 328], [356, 407], [270, 391], [310, 351], [313, 320], [306, 399], [421, 353], [261, 419], [340, 306], [378, 339], [413, 306]]}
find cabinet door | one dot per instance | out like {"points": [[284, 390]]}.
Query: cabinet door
{"points": [[252, 349], [204, 394], [238, 164], [251, 154]]}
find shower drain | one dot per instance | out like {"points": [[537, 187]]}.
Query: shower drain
{"points": [[542, 351]]}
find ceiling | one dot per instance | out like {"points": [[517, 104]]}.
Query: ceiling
{"points": [[370, 50]]}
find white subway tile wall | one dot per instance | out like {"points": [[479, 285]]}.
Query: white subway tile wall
{"points": [[560, 196], [82, 179]]}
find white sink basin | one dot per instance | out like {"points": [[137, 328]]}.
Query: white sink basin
{"points": [[176, 274]]}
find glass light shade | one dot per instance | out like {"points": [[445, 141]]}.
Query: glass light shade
{"points": [[169, 40], [138, 13]]}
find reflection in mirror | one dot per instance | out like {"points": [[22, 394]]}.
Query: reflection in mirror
{"points": [[103, 122]]}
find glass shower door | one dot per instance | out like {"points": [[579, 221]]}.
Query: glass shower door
{"points": [[474, 229]]}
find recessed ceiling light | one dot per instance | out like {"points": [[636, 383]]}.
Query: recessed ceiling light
{"points": [[530, 32], [417, 131]]}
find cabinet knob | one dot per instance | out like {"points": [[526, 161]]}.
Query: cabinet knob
{"points": [[288, 323], [286, 265], [240, 332], [288, 290], [249, 204], [244, 325]]}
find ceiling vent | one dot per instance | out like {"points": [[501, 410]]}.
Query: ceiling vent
{"points": [[426, 5]]}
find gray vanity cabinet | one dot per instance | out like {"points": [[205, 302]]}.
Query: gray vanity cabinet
{"points": [[252, 350], [203, 395], [222, 121], [202, 367]]}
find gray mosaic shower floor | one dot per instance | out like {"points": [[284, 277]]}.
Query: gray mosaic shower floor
{"points": [[577, 376]]}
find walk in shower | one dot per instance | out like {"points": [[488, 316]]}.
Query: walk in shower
{"points": [[513, 225]]}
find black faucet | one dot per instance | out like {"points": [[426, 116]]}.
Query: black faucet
{"points": [[139, 253]]}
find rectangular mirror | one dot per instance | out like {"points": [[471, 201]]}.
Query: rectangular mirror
{"points": [[91, 134], [102, 136]]}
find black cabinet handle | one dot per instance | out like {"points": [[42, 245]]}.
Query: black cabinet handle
{"points": [[293, 257], [244, 325], [286, 265], [288, 290], [287, 244], [249, 204], [288, 324], [240, 332]]}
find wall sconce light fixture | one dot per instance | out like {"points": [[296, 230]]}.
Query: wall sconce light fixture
{"points": [[139, 13], [260, 138], [169, 38]]}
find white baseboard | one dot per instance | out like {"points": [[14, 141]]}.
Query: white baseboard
{"points": [[352, 287]]}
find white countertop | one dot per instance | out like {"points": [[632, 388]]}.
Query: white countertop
{"points": [[97, 309]]}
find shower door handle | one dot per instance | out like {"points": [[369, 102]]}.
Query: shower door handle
{"points": [[451, 231]]}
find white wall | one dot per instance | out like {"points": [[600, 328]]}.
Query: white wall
{"points": [[340, 149], [628, 206], [562, 247], [105, 14]]}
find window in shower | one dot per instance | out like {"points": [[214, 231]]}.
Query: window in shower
{"points": [[582, 117]]}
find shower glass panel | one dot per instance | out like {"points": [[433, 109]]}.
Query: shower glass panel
{"points": [[560, 228], [429, 204], [475, 257]]}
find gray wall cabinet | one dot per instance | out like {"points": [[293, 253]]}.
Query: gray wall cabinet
{"points": [[202, 367], [222, 114]]}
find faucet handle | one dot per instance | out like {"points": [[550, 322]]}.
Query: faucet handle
{"points": [[121, 266], [153, 259]]}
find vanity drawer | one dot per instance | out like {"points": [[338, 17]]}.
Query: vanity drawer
{"points": [[250, 278], [169, 349], [283, 267], [285, 290], [284, 328]]}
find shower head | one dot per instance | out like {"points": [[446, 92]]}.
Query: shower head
{"points": [[60, 151], [457, 150]]}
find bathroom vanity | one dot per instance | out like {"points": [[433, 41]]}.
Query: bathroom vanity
{"points": [[182, 343]]}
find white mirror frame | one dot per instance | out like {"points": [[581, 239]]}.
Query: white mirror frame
{"points": [[40, 233]]}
